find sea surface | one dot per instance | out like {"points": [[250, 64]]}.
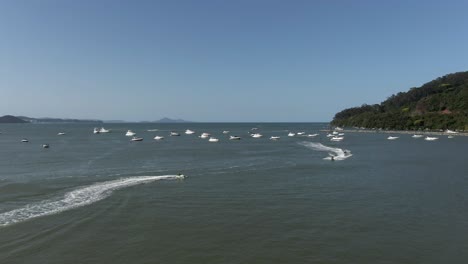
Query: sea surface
{"points": [[100, 198]]}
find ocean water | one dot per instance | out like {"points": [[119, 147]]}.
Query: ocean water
{"points": [[104, 199]]}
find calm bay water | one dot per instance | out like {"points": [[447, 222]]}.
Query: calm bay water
{"points": [[103, 199]]}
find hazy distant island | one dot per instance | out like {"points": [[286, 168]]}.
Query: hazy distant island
{"points": [[169, 120], [45, 120], [438, 104], [11, 119]]}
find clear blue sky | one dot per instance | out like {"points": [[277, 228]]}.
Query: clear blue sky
{"points": [[211, 60]]}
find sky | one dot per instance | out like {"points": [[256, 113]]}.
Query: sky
{"points": [[221, 61]]}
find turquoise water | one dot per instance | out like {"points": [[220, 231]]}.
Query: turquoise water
{"points": [[103, 199]]}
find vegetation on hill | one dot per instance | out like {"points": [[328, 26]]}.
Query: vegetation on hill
{"points": [[439, 104]]}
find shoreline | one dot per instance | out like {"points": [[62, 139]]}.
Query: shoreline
{"points": [[405, 132]]}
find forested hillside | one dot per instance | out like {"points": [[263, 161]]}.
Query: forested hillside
{"points": [[438, 104]]}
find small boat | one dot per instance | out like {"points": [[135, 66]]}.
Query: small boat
{"points": [[338, 128], [205, 135], [25, 140], [312, 135], [137, 139], [430, 138], [340, 134], [151, 130], [300, 133], [130, 133], [96, 130], [335, 133], [330, 135], [417, 136], [189, 132], [392, 138], [448, 131], [274, 138], [336, 139], [45, 145], [234, 138], [212, 139], [174, 134], [256, 135], [225, 132], [61, 134], [450, 136], [103, 130], [158, 138], [291, 134]]}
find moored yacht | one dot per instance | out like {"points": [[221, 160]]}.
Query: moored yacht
{"points": [[212, 139], [225, 132], [205, 135], [256, 135], [392, 138], [103, 130], [158, 138], [291, 134], [137, 139], [189, 132], [130, 133], [45, 145], [174, 134], [312, 135], [25, 140], [274, 138], [336, 139], [61, 134], [430, 138], [234, 138]]}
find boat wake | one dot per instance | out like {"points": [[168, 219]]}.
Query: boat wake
{"points": [[80, 197], [336, 153]]}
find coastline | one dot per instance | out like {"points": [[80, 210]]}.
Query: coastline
{"points": [[405, 132]]}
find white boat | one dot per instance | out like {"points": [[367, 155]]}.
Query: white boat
{"points": [[256, 135], [158, 137], [300, 133], [212, 139], [130, 133], [96, 130], [335, 133], [61, 134], [137, 139], [274, 138], [330, 135], [225, 132], [234, 138], [189, 132], [338, 128], [24, 140], [450, 136], [417, 136], [174, 134], [103, 130], [205, 135], [448, 131], [430, 138], [312, 135], [291, 134], [392, 138], [336, 139], [45, 145], [340, 134]]}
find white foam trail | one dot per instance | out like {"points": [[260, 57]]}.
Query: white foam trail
{"points": [[337, 153], [76, 198]]}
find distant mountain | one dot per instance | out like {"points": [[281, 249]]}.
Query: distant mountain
{"points": [[438, 104], [169, 120], [11, 119], [58, 120]]}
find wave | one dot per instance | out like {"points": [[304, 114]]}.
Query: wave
{"points": [[336, 153], [76, 198]]}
